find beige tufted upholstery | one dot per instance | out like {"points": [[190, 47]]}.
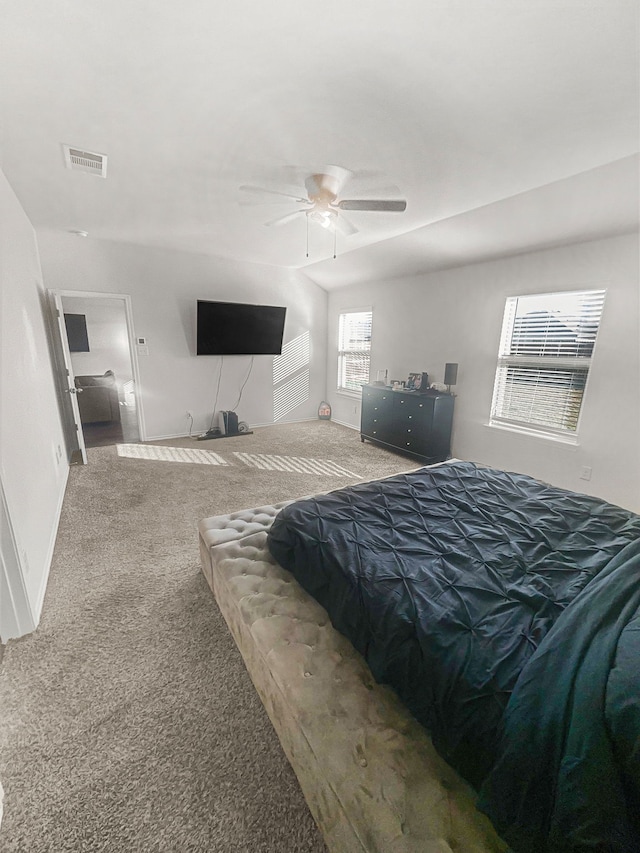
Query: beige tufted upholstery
{"points": [[368, 770]]}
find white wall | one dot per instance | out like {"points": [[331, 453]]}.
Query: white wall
{"points": [[164, 286], [33, 464], [456, 316]]}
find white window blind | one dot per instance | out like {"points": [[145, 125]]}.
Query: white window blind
{"points": [[545, 354], [354, 350]]}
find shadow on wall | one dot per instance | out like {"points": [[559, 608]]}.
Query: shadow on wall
{"points": [[291, 376]]}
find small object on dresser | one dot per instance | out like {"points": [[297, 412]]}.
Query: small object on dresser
{"points": [[417, 382], [450, 375], [410, 384]]}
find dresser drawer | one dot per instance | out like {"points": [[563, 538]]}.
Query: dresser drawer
{"points": [[416, 408], [377, 413]]}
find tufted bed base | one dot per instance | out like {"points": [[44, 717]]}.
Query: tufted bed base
{"points": [[368, 770]]}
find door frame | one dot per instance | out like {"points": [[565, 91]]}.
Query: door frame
{"points": [[17, 617], [133, 352]]}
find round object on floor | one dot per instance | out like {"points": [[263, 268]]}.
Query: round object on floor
{"points": [[324, 411]]}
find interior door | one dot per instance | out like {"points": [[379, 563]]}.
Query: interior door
{"points": [[71, 389]]}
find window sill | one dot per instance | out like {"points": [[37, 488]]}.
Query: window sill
{"points": [[354, 395], [541, 435]]}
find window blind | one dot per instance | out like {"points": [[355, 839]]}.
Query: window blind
{"points": [[354, 350], [545, 354]]}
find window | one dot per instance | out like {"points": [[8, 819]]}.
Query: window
{"points": [[545, 355], [354, 350]]}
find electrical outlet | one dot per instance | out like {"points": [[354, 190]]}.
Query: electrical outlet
{"points": [[355, 409], [585, 472]]}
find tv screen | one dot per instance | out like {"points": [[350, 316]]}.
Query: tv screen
{"points": [[232, 328], [77, 332]]}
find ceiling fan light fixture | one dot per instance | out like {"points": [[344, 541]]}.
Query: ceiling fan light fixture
{"points": [[324, 218]]}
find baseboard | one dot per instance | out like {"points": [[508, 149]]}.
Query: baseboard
{"points": [[345, 424], [37, 606], [278, 423], [195, 433], [171, 435]]}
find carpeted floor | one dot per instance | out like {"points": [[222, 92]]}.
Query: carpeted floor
{"points": [[127, 720]]}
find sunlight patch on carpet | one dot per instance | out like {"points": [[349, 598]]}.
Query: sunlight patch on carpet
{"points": [[170, 454], [295, 464]]}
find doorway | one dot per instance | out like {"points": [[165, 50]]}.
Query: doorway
{"points": [[102, 366]]}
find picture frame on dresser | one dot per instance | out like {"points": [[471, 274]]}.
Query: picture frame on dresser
{"points": [[413, 382], [418, 382]]}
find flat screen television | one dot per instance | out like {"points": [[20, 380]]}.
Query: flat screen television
{"points": [[77, 336], [234, 328]]}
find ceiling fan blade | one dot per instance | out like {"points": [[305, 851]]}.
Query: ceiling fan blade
{"points": [[270, 200], [390, 206], [313, 184], [249, 189], [339, 176], [282, 220], [344, 226]]}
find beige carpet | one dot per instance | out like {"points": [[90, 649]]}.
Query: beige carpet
{"points": [[127, 720]]}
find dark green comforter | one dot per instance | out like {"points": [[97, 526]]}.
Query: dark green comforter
{"points": [[568, 773]]}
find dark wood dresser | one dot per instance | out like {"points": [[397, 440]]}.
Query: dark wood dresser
{"points": [[408, 421]]}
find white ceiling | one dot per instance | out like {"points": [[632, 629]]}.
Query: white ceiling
{"points": [[506, 124]]}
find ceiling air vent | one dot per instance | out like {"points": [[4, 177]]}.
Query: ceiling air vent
{"points": [[85, 161]]}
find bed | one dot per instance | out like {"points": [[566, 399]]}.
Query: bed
{"points": [[501, 611]]}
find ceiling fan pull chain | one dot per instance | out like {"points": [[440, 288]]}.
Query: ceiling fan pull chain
{"points": [[335, 236], [307, 220]]}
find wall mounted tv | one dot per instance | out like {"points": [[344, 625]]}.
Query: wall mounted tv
{"points": [[234, 328], [77, 336]]}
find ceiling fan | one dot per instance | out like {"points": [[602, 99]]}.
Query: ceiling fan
{"points": [[323, 204]]}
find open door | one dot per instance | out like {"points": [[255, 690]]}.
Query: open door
{"points": [[70, 378]]}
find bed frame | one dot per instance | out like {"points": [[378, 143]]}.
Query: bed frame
{"points": [[369, 772]]}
